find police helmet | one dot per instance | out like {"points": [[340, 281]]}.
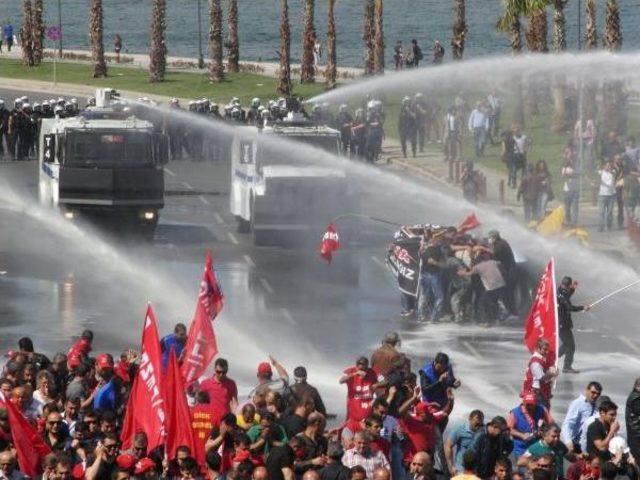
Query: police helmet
{"points": [[91, 101], [215, 107], [26, 106], [24, 99], [235, 101], [1, 103], [58, 110], [406, 101], [37, 107], [61, 101], [74, 101], [17, 103], [255, 102]]}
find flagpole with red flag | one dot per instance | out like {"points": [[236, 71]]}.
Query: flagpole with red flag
{"points": [[542, 321], [146, 409], [201, 344], [179, 431], [29, 445]]}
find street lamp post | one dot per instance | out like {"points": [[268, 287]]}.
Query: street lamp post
{"points": [[579, 24], [200, 57], [60, 27]]}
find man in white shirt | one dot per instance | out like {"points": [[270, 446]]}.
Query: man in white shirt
{"points": [[479, 125], [606, 196]]}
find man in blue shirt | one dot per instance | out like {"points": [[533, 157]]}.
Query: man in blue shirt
{"points": [[436, 378], [460, 440], [524, 423], [7, 32], [579, 410], [174, 341]]}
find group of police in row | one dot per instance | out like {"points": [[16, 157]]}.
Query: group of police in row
{"points": [[20, 125], [361, 132]]}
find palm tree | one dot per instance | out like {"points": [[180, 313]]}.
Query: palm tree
{"points": [[27, 31], [591, 35], [459, 30], [158, 52], [536, 33], [331, 71], [307, 66], [233, 43], [284, 74], [559, 83], [613, 94], [216, 66], [37, 34], [378, 37], [95, 35], [368, 35]]}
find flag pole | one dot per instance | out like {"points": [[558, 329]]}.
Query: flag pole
{"points": [[615, 292], [555, 309]]}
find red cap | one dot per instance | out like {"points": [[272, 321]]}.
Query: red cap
{"points": [[423, 407], [126, 461], [265, 369], [242, 456], [529, 399], [144, 465], [78, 471], [74, 360], [104, 361]]}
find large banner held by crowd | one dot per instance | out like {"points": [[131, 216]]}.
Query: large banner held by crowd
{"points": [[201, 344], [404, 261], [146, 409], [542, 321]]}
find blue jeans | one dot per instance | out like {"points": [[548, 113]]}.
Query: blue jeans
{"points": [[431, 295], [606, 211], [571, 201], [480, 137]]}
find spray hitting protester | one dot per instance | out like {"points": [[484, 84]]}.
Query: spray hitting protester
{"points": [[566, 289]]}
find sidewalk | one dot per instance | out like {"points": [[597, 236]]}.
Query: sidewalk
{"points": [[431, 166], [181, 64]]}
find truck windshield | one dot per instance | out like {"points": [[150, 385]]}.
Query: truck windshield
{"points": [[268, 155], [108, 149]]}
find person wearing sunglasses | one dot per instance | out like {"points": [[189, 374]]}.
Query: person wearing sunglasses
{"points": [[55, 436]]}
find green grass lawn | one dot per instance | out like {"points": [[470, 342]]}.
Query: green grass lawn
{"points": [[176, 84]]}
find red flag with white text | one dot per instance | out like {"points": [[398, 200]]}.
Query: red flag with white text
{"points": [[30, 448], [469, 223], [201, 344], [330, 243], [542, 321], [146, 409], [179, 431]]}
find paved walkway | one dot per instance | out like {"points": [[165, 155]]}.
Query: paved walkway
{"points": [[182, 64]]}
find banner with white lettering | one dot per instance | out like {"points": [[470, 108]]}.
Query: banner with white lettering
{"points": [[542, 321], [403, 259], [146, 409]]}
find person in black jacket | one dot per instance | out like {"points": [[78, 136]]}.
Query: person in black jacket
{"points": [[491, 443], [568, 348], [632, 418]]}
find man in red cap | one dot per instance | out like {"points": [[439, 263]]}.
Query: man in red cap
{"points": [[420, 428], [145, 468], [266, 382], [524, 422], [126, 461]]}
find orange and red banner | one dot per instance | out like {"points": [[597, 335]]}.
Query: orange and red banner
{"points": [[469, 223], [146, 409], [201, 344], [542, 321], [330, 243]]}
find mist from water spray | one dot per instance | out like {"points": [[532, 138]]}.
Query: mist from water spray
{"points": [[491, 73]]}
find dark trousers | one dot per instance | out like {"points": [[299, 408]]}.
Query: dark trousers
{"points": [[568, 347], [620, 206], [410, 136]]}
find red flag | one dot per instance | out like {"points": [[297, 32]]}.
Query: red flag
{"points": [[178, 423], [330, 243], [146, 409], [542, 321], [469, 223], [201, 344], [30, 448]]}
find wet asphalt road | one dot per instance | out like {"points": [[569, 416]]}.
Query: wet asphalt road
{"points": [[61, 278]]}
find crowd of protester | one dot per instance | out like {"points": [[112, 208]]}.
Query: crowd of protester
{"points": [[397, 423]]}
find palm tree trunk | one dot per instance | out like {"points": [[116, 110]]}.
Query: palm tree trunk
{"points": [[27, 32], [307, 66], [378, 51], [591, 35], [613, 95], [459, 30], [37, 34], [95, 35], [284, 74], [559, 81], [536, 36], [158, 52], [216, 66], [332, 65], [368, 36], [233, 43]]}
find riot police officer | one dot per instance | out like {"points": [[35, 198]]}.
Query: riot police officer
{"points": [[407, 127]]}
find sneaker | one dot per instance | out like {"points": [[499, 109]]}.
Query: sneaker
{"points": [[570, 370]]}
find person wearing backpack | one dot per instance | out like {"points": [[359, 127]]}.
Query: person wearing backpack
{"points": [[417, 53]]}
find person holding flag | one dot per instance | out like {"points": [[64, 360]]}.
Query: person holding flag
{"points": [[568, 348], [540, 374]]}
